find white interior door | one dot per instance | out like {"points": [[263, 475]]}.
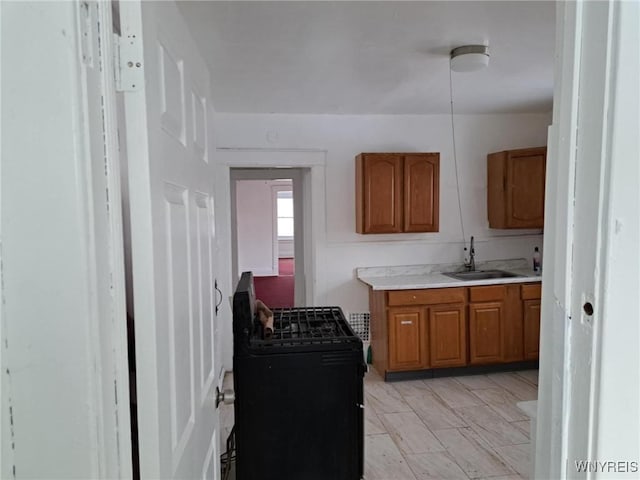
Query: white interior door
{"points": [[172, 244]]}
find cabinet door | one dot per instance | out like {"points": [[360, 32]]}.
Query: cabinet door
{"points": [[525, 188], [407, 339], [531, 329], [512, 325], [379, 188], [447, 334], [485, 333], [421, 192]]}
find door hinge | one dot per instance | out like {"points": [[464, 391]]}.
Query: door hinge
{"points": [[86, 33], [129, 67]]}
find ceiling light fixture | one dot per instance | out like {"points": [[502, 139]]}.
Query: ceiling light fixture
{"points": [[469, 58]]}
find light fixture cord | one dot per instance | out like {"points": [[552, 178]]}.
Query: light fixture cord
{"points": [[455, 157]]}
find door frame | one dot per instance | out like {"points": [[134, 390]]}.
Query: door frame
{"points": [[63, 322], [312, 164], [295, 175], [591, 225], [117, 343]]}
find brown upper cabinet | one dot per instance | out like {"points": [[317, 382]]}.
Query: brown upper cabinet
{"points": [[397, 192], [515, 188]]}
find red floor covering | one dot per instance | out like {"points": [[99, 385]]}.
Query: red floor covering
{"points": [[277, 292]]}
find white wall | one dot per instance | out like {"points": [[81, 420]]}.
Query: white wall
{"points": [[256, 249], [340, 250], [258, 245]]}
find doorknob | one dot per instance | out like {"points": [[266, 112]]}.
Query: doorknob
{"points": [[226, 396]]}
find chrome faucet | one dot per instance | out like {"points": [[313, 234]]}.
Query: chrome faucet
{"points": [[470, 263]]}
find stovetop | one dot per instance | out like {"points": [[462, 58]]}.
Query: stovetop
{"points": [[306, 325], [298, 329]]}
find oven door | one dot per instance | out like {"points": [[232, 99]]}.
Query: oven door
{"points": [[299, 416]]}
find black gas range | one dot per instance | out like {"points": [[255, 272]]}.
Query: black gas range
{"points": [[299, 394]]}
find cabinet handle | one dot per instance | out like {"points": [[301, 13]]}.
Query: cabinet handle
{"points": [[406, 322]]}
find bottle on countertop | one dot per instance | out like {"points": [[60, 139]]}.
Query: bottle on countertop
{"points": [[537, 261]]}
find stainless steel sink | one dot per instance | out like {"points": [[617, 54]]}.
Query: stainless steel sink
{"points": [[480, 275]]}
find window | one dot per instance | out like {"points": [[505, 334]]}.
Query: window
{"points": [[284, 208]]}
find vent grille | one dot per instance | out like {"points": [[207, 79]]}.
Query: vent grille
{"points": [[360, 324]]}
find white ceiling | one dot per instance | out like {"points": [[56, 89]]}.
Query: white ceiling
{"points": [[374, 57]]}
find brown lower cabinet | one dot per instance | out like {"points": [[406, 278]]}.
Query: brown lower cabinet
{"points": [[485, 327], [408, 339], [447, 335], [531, 320], [413, 330], [531, 329]]}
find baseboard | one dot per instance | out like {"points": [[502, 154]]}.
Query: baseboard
{"points": [[264, 273], [459, 371]]}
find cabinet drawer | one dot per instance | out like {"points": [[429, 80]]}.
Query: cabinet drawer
{"points": [[531, 291], [427, 297], [486, 294]]}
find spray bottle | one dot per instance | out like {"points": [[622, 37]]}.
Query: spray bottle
{"points": [[537, 262]]}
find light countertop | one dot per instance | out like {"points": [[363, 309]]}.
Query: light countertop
{"points": [[409, 277]]}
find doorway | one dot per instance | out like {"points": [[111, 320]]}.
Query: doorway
{"points": [[268, 232], [265, 238]]}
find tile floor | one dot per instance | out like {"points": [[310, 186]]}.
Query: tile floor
{"points": [[448, 428], [445, 428]]}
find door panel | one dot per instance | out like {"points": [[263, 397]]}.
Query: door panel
{"points": [[180, 321], [206, 298], [200, 126], [210, 464], [173, 247], [171, 93]]}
